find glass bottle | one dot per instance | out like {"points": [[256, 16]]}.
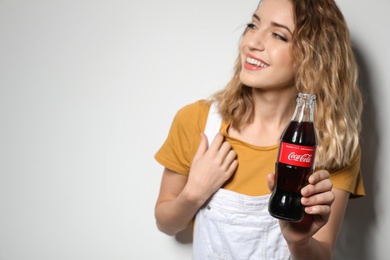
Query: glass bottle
{"points": [[295, 161]]}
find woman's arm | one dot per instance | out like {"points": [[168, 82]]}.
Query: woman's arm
{"points": [[174, 208], [321, 245], [181, 197], [315, 236]]}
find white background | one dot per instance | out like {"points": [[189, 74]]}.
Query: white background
{"points": [[88, 90]]}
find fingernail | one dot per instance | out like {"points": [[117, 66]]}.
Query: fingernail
{"points": [[309, 210], [305, 200]]}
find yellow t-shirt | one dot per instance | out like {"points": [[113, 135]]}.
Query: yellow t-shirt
{"points": [[254, 162]]}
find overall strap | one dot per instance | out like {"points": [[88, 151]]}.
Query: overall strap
{"points": [[213, 124]]}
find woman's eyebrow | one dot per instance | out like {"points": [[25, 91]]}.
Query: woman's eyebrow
{"points": [[256, 17], [281, 26]]}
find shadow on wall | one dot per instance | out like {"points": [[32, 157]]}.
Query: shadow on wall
{"points": [[354, 239], [355, 236]]}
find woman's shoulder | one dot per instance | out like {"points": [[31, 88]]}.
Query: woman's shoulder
{"points": [[193, 116], [200, 106], [196, 111]]}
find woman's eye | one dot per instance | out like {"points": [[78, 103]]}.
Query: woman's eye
{"points": [[251, 26], [280, 37]]}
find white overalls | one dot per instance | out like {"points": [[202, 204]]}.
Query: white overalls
{"points": [[234, 226]]}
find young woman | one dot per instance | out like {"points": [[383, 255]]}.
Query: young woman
{"points": [[290, 46]]}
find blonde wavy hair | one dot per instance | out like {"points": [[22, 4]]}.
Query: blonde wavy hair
{"points": [[327, 68]]}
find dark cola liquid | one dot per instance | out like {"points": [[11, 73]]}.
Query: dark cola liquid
{"points": [[285, 201]]}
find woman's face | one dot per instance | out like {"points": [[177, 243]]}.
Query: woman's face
{"points": [[265, 47]]}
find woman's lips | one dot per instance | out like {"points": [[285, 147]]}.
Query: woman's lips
{"points": [[253, 63]]}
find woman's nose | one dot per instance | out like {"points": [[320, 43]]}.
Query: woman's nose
{"points": [[257, 40]]}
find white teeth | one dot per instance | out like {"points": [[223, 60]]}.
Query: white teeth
{"points": [[256, 62]]}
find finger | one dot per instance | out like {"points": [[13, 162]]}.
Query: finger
{"points": [[232, 168], [216, 143], [318, 176], [229, 165], [271, 181], [326, 198], [225, 149], [203, 145], [322, 210], [230, 157], [323, 186]]}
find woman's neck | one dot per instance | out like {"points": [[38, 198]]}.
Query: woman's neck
{"points": [[272, 112]]}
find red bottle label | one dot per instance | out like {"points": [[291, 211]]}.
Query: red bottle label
{"points": [[297, 155]]}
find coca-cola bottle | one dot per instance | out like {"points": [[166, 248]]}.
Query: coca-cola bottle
{"points": [[295, 161]]}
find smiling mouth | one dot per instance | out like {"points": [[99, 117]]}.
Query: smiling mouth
{"points": [[256, 62]]}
